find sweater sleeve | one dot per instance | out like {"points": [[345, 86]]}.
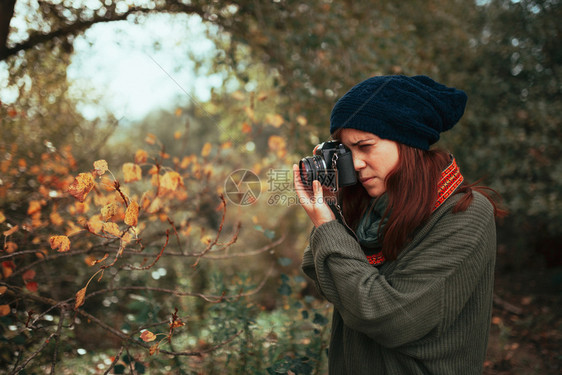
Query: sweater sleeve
{"points": [[433, 278]]}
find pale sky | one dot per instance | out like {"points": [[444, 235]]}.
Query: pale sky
{"points": [[119, 61], [118, 68]]}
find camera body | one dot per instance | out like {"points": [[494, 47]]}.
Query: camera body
{"points": [[331, 164]]}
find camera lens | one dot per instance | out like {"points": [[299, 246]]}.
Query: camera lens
{"points": [[311, 168]]}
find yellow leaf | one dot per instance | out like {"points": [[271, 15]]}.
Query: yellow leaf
{"points": [[132, 214], [147, 336], [141, 156], [154, 349], [177, 134], [111, 228], [171, 180], [100, 167], [62, 243], [131, 172], [81, 186], [206, 239], [238, 95], [3, 289], [206, 149], [250, 113], [56, 219], [301, 120], [274, 120], [2, 217], [92, 260], [11, 231], [4, 310], [150, 139], [277, 143], [34, 207], [108, 211], [178, 112], [95, 224], [80, 296]]}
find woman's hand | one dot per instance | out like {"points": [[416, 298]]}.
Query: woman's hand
{"points": [[312, 200]]}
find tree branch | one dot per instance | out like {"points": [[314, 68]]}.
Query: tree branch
{"points": [[6, 14], [80, 25]]}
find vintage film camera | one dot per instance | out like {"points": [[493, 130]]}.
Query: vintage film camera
{"points": [[331, 164]]}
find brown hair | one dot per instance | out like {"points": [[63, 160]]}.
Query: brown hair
{"points": [[412, 191]]}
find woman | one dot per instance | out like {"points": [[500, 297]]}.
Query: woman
{"points": [[409, 263]]}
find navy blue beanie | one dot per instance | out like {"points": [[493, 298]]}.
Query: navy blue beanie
{"points": [[409, 110]]}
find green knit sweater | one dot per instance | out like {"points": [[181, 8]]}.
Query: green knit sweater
{"points": [[427, 312]]}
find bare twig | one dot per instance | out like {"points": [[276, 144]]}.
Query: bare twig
{"points": [[115, 360], [57, 337], [213, 243], [131, 267], [507, 306], [33, 355]]}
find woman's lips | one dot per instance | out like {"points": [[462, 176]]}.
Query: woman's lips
{"points": [[365, 179]]}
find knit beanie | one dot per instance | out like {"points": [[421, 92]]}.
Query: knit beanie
{"points": [[409, 110]]}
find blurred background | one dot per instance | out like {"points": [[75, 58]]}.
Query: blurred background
{"points": [[204, 89]]}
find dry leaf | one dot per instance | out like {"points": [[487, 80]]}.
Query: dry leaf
{"points": [[206, 149], [10, 247], [3, 289], [32, 286], [80, 296], [34, 207], [238, 95], [150, 139], [62, 243], [141, 156], [132, 214], [4, 310], [171, 180], [131, 172], [108, 211], [100, 167], [81, 186], [274, 120], [2, 217], [11, 231], [177, 323], [147, 336], [277, 143], [56, 219], [28, 275], [92, 261], [154, 349], [246, 128], [8, 268], [111, 228]]}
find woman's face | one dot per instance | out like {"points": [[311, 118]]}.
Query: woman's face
{"points": [[373, 158]]}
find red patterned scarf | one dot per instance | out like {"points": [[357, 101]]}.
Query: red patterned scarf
{"points": [[451, 179]]}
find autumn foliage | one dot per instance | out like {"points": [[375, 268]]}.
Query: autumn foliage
{"points": [[85, 239]]}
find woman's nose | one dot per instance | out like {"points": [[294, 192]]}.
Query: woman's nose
{"points": [[358, 163]]}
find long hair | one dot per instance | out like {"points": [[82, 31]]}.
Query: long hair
{"points": [[412, 191]]}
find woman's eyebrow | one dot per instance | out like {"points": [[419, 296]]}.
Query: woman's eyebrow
{"points": [[360, 141]]}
